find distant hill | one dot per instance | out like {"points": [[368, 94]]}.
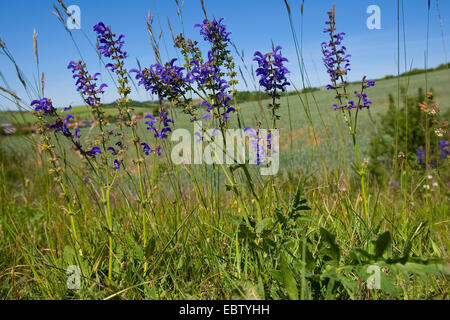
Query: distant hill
{"points": [[141, 107], [418, 71], [135, 104]]}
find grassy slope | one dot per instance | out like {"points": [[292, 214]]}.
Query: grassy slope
{"points": [[325, 122], [199, 256]]}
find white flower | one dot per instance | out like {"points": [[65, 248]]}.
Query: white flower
{"points": [[439, 132], [426, 186], [435, 184]]}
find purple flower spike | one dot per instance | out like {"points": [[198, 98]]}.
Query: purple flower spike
{"points": [[444, 147], [109, 44], [44, 105], [337, 63], [95, 150], [85, 83], [114, 151], [214, 31], [271, 71]]}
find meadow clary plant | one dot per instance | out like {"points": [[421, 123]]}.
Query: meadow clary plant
{"points": [[208, 78], [168, 83], [337, 62], [272, 76], [161, 129], [444, 147]]}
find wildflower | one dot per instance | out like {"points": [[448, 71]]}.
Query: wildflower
{"points": [[444, 147], [67, 109], [366, 101], [68, 118], [370, 83], [350, 104], [271, 71], [395, 183], [254, 142], [165, 81], [335, 58], [426, 186], [158, 150], [86, 83], [78, 145], [272, 76], [208, 75], [45, 105], [262, 148], [116, 164], [439, 132], [162, 119], [109, 44], [146, 148], [421, 157], [337, 62], [199, 135], [114, 151], [213, 31], [60, 126], [94, 151]]}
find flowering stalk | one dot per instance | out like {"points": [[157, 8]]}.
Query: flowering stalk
{"points": [[435, 124], [43, 109], [272, 75], [50, 120], [337, 62], [111, 46], [207, 79], [87, 87]]}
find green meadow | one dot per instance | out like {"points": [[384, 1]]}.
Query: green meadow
{"points": [[296, 136]]}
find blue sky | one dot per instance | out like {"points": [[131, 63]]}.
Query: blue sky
{"points": [[254, 25]]}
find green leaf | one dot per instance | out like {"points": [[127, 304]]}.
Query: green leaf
{"points": [[262, 225], [382, 243], [422, 269], [331, 240], [277, 275], [362, 252], [387, 284], [288, 279]]}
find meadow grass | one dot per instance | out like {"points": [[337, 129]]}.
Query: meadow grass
{"points": [[195, 247]]}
